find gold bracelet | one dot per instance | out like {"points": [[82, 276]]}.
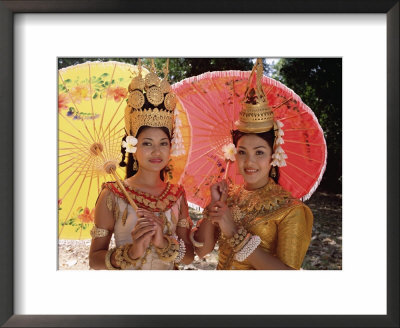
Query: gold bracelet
{"points": [[109, 266], [169, 253], [237, 237], [126, 256], [119, 259], [195, 243], [172, 253], [162, 250], [243, 243]]}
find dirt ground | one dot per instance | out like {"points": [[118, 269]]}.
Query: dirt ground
{"points": [[324, 252]]}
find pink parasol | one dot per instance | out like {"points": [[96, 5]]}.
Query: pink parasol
{"points": [[213, 101]]}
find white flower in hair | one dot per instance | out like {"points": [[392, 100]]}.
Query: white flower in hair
{"points": [[279, 124], [279, 154], [177, 147], [229, 151], [130, 144]]}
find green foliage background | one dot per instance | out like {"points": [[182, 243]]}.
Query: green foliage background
{"points": [[318, 81]]}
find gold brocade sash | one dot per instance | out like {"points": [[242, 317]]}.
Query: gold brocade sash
{"points": [[250, 208]]}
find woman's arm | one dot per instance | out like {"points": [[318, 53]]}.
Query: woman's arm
{"points": [[207, 230], [183, 230], [103, 219], [205, 234], [261, 260], [294, 235]]}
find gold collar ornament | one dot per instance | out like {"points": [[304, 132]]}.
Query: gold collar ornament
{"points": [[247, 204], [257, 116]]}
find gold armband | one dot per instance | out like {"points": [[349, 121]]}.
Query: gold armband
{"points": [[183, 223], [98, 232]]}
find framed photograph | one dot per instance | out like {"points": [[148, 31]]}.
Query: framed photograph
{"points": [[34, 34]]}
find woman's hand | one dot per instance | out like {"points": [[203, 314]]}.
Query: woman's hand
{"points": [[142, 235], [218, 190], [158, 239], [220, 213]]}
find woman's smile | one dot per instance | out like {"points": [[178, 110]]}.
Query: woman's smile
{"points": [[156, 160], [250, 171]]}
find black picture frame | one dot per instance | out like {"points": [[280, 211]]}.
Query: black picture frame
{"points": [[7, 198]]}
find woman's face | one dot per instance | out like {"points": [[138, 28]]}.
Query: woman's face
{"points": [[253, 159], [153, 149]]}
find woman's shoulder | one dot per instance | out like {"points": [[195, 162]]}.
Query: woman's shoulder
{"points": [[177, 189]]}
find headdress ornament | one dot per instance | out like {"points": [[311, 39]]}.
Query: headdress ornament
{"points": [[257, 116], [151, 103]]}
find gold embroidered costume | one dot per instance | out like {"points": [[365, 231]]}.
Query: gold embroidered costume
{"points": [[171, 205], [151, 103], [283, 223]]}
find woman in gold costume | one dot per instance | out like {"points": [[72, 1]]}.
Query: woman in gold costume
{"points": [[152, 232], [258, 225]]}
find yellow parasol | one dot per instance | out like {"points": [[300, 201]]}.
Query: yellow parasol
{"points": [[91, 104]]}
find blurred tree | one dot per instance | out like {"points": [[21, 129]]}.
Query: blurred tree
{"points": [[179, 68], [318, 81], [69, 61]]}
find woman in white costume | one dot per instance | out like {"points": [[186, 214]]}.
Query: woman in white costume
{"points": [[155, 236]]}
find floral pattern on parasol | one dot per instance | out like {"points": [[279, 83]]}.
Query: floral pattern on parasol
{"points": [[91, 105], [213, 101]]}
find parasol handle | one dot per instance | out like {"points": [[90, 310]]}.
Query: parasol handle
{"points": [[97, 149], [226, 169], [225, 175], [130, 200]]}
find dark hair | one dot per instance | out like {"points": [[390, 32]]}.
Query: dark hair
{"points": [[269, 137], [129, 166]]}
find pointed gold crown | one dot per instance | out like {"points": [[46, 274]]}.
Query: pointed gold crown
{"points": [[150, 101], [256, 116]]}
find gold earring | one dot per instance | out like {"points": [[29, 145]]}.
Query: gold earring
{"points": [[273, 172], [135, 164]]}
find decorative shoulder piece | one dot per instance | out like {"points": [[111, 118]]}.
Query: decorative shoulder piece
{"points": [[98, 232]]}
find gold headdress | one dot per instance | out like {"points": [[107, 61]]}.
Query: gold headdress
{"points": [[257, 116], [150, 102]]}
